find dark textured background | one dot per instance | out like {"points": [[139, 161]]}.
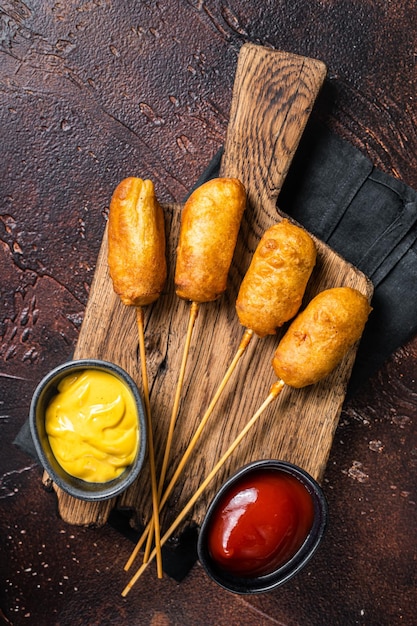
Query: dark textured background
{"points": [[92, 92]]}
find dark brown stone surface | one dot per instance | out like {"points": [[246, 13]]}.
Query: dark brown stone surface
{"points": [[92, 92]]}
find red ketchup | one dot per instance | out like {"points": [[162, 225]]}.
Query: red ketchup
{"points": [[260, 523]]}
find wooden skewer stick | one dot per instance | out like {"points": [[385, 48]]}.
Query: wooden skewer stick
{"points": [[192, 318], [248, 334], [274, 392], [151, 451]]}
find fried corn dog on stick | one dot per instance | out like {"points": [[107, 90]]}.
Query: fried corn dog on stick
{"points": [[136, 235], [137, 266], [271, 294], [320, 336], [210, 223], [331, 324], [273, 287]]}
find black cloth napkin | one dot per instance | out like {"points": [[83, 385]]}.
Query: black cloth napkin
{"points": [[369, 218]]}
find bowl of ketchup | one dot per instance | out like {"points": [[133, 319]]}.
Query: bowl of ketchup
{"points": [[262, 527]]}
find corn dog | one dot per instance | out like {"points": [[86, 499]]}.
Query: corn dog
{"points": [[273, 286], [320, 336], [137, 267], [210, 223], [136, 235]]}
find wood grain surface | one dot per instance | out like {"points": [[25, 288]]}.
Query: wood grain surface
{"points": [[273, 96]]}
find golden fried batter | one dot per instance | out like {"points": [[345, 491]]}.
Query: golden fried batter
{"points": [[320, 336], [136, 235], [273, 287], [210, 224]]}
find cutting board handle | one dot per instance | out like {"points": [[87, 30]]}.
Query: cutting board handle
{"points": [[273, 96]]}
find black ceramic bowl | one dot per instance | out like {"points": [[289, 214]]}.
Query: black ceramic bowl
{"points": [[284, 572], [76, 487]]}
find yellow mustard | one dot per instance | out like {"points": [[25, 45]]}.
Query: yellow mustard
{"points": [[92, 425]]}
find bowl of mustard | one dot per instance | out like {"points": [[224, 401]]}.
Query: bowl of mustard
{"points": [[88, 427]]}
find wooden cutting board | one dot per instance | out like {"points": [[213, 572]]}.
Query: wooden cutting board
{"points": [[273, 96]]}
